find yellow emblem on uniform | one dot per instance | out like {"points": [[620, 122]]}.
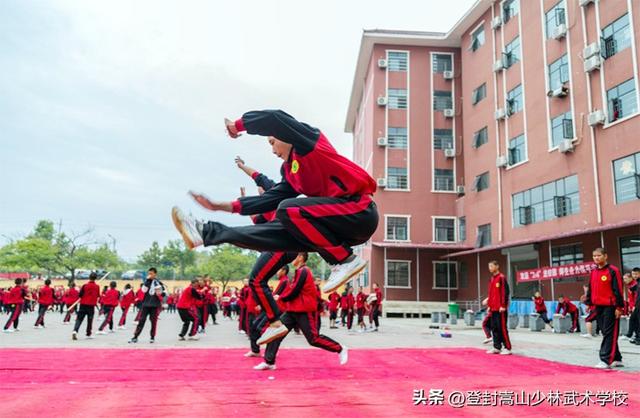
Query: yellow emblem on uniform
{"points": [[603, 278], [498, 284], [295, 166]]}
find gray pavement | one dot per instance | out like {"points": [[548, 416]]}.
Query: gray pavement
{"points": [[394, 332]]}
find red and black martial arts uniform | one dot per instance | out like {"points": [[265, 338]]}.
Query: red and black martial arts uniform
{"points": [[605, 293], [128, 298], [70, 298], [188, 311], [337, 213], [150, 306], [361, 299], [45, 299], [89, 294], [567, 307], [138, 304], [541, 309], [632, 303], [15, 300], [301, 297], [243, 325], [376, 308], [334, 301], [110, 300], [499, 298]]}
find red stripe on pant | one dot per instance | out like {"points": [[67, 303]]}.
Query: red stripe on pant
{"points": [[505, 334], [320, 340], [14, 315], [123, 318], [260, 280], [308, 230], [108, 318], [485, 325], [348, 208], [193, 311], [67, 317], [614, 342]]}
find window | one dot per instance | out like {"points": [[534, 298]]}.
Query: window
{"points": [[397, 178], [561, 128], [615, 37], [479, 94], [549, 201], [511, 53], [555, 17], [517, 150], [441, 63], [481, 182], [510, 8], [480, 137], [445, 275], [444, 230], [397, 98], [630, 252], [397, 274], [558, 72], [566, 254], [621, 100], [626, 177], [397, 228], [483, 237], [397, 61], [477, 38], [462, 229], [442, 100], [514, 100], [397, 137], [442, 138], [443, 179]]}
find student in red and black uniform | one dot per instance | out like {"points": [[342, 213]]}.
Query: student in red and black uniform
{"points": [[302, 307], [605, 293], [199, 304], [15, 300], [498, 303], [632, 293], [567, 307], [58, 294], [486, 327], [110, 300], [45, 300], [128, 298], [337, 213], [89, 294], [343, 307], [138, 304], [376, 306], [243, 325], [541, 308], [212, 301], [334, 300], [70, 298], [361, 299], [635, 276], [101, 299], [188, 311]]}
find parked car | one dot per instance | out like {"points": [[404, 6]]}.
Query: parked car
{"points": [[134, 275]]}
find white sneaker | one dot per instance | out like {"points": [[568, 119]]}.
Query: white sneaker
{"points": [[505, 352], [189, 228], [602, 365], [101, 333], [8, 330], [264, 366], [586, 335], [242, 331], [341, 273], [251, 354], [89, 337], [493, 351], [36, 327], [487, 340], [193, 337], [617, 364], [344, 355], [74, 335], [623, 337], [272, 333]]}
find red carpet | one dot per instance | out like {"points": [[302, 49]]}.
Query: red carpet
{"points": [[308, 383]]}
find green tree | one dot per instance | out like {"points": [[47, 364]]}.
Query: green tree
{"points": [[226, 263], [151, 257], [178, 255], [318, 266]]}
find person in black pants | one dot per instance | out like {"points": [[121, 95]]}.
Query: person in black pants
{"points": [[635, 314], [154, 293], [89, 293], [605, 293]]}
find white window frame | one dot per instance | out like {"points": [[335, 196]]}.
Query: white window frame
{"points": [[407, 217], [386, 273], [455, 229], [455, 263]]}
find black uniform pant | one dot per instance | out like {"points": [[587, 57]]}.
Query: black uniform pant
{"points": [[88, 311], [266, 266], [108, 317], [188, 315], [213, 310], [306, 321], [42, 309], [375, 314], [633, 324], [499, 330], [609, 351], [14, 316], [256, 325], [148, 311]]}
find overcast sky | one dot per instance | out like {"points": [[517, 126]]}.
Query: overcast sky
{"points": [[111, 111]]}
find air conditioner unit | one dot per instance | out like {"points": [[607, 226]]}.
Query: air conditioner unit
{"points": [[382, 63], [592, 63], [591, 50], [500, 113], [382, 182], [560, 31], [448, 75], [449, 113], [585, 3], [449, 152], [559, 92], [566, 145], [382, 141], [460, 189], [502, 161], [597, 117], [496, 22], [382, 101], [498, 65]]}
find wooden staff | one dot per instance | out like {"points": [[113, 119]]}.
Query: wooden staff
{"points": [[78, 301]]}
